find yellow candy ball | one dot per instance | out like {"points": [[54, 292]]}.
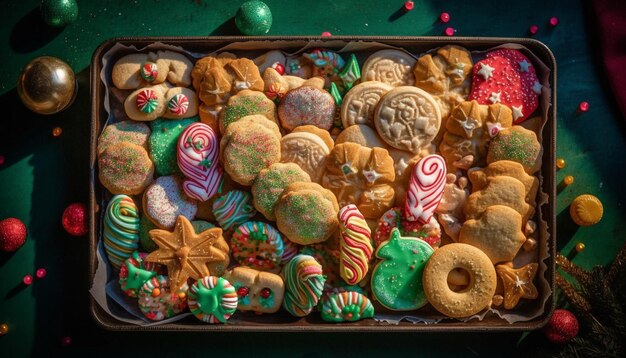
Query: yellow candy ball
{"points": [[580, 247], [568, 180], [560, 163]]}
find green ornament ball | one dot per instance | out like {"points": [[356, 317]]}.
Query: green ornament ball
{"points": [[59, 13], [254, 18]]}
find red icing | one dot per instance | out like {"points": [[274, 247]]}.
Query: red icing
{"points": [[243, 291], [266, 292], [279, 67]]}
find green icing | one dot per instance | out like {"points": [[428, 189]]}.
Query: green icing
{"points": [[145, 225], [242, 301], [201, 225], [516, 147], [350, 73], [136, 276], [258, 235], [334, 91], [164, 143], [267, 302], [242, 107], [209, 299], [397, 279]]}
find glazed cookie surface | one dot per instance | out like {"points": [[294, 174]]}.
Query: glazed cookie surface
{"points": [[164, 143], [164, 201], [233, 208], [359, 104], [270, 183], [124, 131], [125, 168], [307, 105]]}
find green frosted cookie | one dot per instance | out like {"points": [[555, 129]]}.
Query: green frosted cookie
{"points": [[163, 143]]}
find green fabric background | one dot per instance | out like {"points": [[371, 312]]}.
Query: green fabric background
{"points": [[42, 174]]}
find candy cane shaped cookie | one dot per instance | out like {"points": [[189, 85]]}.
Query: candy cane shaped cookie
{"points": [[425, 188], [197, 159], [355, 244]]}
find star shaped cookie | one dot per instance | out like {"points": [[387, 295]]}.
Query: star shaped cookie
{"points": [[518, 283], [186, 253]]}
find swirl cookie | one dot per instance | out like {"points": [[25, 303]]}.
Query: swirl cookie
{"points": [[307, 105], [164, 201], [355, 245], [125, 168], [258, 245], [124, 131], [212, 299], [393, 67], [257, 291], [360, 102], [306, 150], [471, 299], [270, 183], [307, 213], [407, 118], [346, 306], [362, 176], [233, 208], [163, 143], [121, 229], [304, 283], [197, 160], [517, 144], [246, 103], [157, 300]]}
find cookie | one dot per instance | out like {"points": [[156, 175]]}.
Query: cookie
{"points": [[586, 210], [445, 75], [497, 233], [257, 245], [355, 245], [407, 118], [362, 176], [346, 307], [246, 103], [395, 218], [124, 131], [361, 134], [121, 230], [517, 283], [323, 255], [159, 300], [479, 177], [306, 150], [393, 67], [233, 208], [186, 253], [326, 64], [471, 299], [247, 147], [397, 279], [299, 66], [500, 190], [360, 102], [146, 104], [403, 163], [216, 79], [290, 250], [517, 144], [210, 115], [163, 143], [164, 201], [140, 69], [125, 168], [306, 213], [270, 183], [177, 66], [425, 190], [269, 59], [181, 103], [322, 133], [276, 86], [450, 213], [135, 272], [306, 105], [257, 291], [198, 161], [212, 299], [469, 130], [304, 283]]}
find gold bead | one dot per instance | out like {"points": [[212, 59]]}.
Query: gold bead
{"points": [[560, 163], [57, 131], [47, 85], [156, 292], [568, 180], [580, 247], [4, 329], [182, 295]]}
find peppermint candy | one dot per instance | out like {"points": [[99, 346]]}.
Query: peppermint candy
{"points": [[178, 104], [426, 186], [197, 158]]}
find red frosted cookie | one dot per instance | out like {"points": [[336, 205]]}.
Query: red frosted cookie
{"points": [[395, 218], [506, 76]]}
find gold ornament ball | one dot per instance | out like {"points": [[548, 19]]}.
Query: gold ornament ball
{"points": [[580, 247], [4, 329], [47, 85], [560, 163], [57, 131], [568, 180]]}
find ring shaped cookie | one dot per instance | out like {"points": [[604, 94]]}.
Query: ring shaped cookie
{"points": [[482, 284], [407, 118]]}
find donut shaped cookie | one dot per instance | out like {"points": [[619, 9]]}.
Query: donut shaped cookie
{"points": [[270, 183], [304, 283], [124, 131], [306, 105], [393, 67], [121, 229], [482, 283], [407, 118], [165, 200], [233, 208], [164, 143], [212, 299], [359, 104], [258, 245], [125, 168], [157, 302], [135, 272]]}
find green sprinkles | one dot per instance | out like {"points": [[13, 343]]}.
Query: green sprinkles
{"points": [[516, 147], [164, 142]]}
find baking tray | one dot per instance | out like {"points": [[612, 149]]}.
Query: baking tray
{"points": [[282, 321]]}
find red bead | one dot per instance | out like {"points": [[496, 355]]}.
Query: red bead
{"points": [[326, 34], [242, 291], [266, 292], [279, 67], [13, 234], [408, 5], [562, 327], [75, 219], [583, 106], [449, 31], [66, 341], [444, 17], [41, 273], [28, 279], [554, 21], [533, 29]]}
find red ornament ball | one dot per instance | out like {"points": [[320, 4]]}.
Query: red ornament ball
{"points": [[449, 31], [409, 5], [326, 34], [562, 327], [583, 106], [12, 234], [444, 17], [28, 279], [533, 29], [75, 219], [66, 341]]}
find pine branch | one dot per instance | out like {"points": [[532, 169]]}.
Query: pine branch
{"points": [[617, 267], [580, 303], [582, 276]]}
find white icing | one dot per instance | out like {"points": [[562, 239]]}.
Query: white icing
{"points": [[242, 85], [517, 112], [537, 87], [371, 175], [524, 66], [486, 71], [495, 97], [494, 129]]}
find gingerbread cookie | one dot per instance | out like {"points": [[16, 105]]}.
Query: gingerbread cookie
{"points": [[124, 131], [500, 190], [125, 168], [497, 233], [257, 291], [362, 176], [163, 143], [304, 283], [270, 183], [361, 134], [164, 201], [306, 105], [393, 67], [307, 213], [141, 69], [210, 115], [245, 103], [407, 118], [258, 245], [359, 104], [517, 283], [216, 79], [517, 144], [450, 212], [479, 177], [307, 150]]}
